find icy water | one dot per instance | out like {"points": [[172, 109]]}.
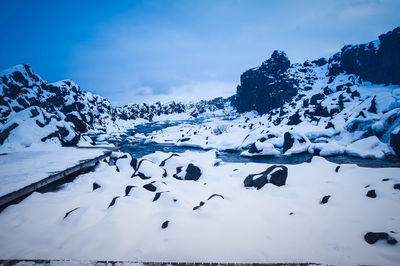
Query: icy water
{"points": [[139, 149]]}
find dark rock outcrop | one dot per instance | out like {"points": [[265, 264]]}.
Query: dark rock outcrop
{"points": [[266, 87], [378, 62]]}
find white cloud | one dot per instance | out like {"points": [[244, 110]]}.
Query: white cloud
{"points": [[194, 91]]}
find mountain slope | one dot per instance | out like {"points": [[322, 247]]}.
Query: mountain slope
{"points": [[34, 111]]}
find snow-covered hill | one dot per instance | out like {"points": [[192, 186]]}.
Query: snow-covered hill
{"points": [[322, 107], [34, 111]]}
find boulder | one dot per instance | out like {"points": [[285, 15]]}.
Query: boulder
{"points": [[192, 172], [371, 193], [371, 238], [276, 174]]}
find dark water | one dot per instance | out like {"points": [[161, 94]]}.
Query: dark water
{"points": [[139, 149]]}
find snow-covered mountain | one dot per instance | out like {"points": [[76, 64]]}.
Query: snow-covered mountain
{"points": [[32, 110], [323, 107], [354, 95]]}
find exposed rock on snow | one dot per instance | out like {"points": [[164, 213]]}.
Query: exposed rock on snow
{"points": [[371, 193], [372, 238], [276, 175], [266, 87], [95, 186], [192, 172], [325, 199]]}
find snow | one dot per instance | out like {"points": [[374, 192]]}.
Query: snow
{"points": [[248, 225], [369, 147], [24, 167]]}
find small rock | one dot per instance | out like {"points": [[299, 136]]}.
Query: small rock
{"points": [[371, 193], [192, 172], [372, 238], [215, 195], [337, 169], [157, 196], [113, 201], [325, 199], [66, 215], [165, 224], [396, 186], [150, 187], [385, 179], [128, 190], [95, 186]]}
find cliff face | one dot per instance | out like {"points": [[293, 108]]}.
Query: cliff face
{"points": [[266, 87], [276, 81], [377, 61]]}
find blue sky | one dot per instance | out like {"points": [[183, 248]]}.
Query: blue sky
{"points": [[135, 51]]}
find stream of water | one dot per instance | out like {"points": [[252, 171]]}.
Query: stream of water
{"points": [[140, 148]]}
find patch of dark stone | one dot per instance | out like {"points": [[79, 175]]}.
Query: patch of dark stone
{"points": [[133, 163], [291, 213], [66, 215], [117, 169], [367, 186], [371, 238], [385, 179], [165, 160], [337, 168], [288, 141], [395, 142], [150, 187], [192, 172], [253, 149], [178, 170], [95, 186], [215, 195], [372, 108], [201, 204], [396, 186], [128, 190], [113, 201], [294, 119], [276, 175], [184, 139], [6, 132], [371, 193], [165, 224], [325, 199]]}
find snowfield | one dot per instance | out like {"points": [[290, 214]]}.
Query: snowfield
{"points": [[24, 167], [148, 210]]}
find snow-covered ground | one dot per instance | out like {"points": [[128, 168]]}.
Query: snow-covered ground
{"points": [[23, 167], [123, 218]]}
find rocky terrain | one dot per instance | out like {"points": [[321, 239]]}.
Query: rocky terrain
{"points": [[323, 107], [61, 112], [192, 205]]}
